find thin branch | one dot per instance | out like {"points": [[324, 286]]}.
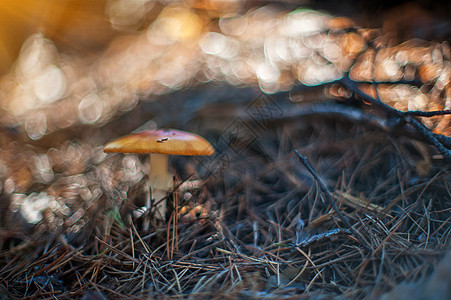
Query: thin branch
{"points": [[428, 114], [441, 143], [329, 198]]}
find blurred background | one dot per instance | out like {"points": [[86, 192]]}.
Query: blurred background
{"points": [[70, 62], [75, 74]]}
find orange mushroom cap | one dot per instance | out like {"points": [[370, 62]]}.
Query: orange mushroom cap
{"points": [[164, 141]]}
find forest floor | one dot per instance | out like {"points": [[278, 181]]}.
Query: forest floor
{"points": [[366, 215]]}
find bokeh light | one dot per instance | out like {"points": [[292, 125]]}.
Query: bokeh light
{"points": [[152, 48]]}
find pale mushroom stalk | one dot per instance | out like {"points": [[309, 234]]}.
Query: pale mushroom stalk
{"points": [[160, 182]]}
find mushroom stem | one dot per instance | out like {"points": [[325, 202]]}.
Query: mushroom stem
{"points": [[160, 182]]}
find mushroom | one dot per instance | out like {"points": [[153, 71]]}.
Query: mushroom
{"points": [[160, 144]]}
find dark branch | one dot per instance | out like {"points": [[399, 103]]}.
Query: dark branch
{"points": [[428, 114], [329, 198]]}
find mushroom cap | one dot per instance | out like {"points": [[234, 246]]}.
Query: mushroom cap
{"points": [[165, 141]]}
